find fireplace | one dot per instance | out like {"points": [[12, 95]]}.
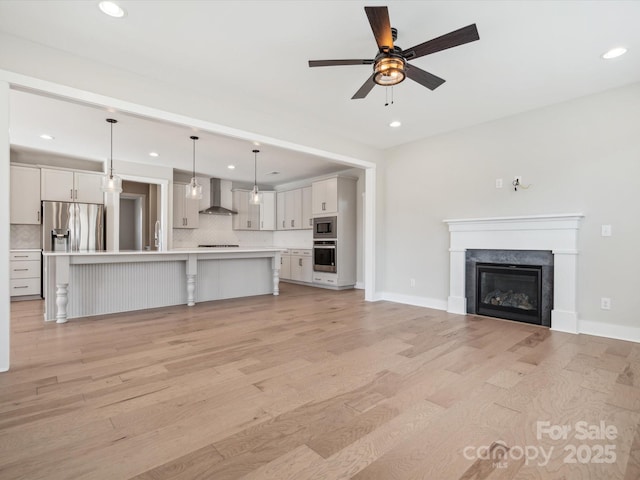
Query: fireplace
{"points": [[510, 284], [556, 234], [513, 292]]}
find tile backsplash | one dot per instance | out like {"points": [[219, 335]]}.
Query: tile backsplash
{"points": [[25, 236], [217, 229]]}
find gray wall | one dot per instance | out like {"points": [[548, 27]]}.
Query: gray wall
{"points": [[581, 156]]}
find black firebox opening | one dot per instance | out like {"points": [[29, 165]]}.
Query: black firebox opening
{"points": [[509, 291]]}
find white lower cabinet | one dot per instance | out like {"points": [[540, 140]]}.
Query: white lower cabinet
{"points": [[25, 272], [285, 265], [296, 265], [301, 267], [325, 278]]}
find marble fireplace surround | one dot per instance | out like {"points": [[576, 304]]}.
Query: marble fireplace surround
{"points": [[556, 232]]}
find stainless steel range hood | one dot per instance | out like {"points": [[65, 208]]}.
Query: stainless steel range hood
{"points": [[215, 207]]}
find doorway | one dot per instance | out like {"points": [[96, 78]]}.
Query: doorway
{"points": [[132, 216]]}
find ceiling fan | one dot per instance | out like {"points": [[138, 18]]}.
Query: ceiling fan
{"points": [[390, 65]]}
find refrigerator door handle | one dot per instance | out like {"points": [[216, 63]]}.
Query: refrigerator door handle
{"points": [[78, 227]]}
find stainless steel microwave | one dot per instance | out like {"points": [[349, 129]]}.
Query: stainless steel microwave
{"points": [[325, 227]]}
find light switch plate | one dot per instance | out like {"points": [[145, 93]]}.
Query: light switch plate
{"points": [[606, 230], [498, 183], [605, 303]]}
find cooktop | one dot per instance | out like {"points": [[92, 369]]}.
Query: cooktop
{"points": [[217, 246]]}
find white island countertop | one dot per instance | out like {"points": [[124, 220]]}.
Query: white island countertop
{"points": [[83, 284], [173, 251]]}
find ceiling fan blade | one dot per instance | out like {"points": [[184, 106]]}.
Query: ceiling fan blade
{"points": [[379, 21], [425, 79], [331, 63], [452, 39], [364, 89]]}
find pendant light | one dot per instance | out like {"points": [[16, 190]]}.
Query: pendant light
{"points": [[111, 183], [193, 190], [255, 197]]}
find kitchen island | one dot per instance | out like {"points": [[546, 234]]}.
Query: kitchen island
{"points": [[83, 284]]}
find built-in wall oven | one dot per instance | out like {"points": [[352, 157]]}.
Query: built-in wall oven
{"points": [[325, 227], [324, 256]]}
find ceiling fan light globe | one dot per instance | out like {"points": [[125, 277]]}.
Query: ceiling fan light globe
{"points": [[389, 71]]}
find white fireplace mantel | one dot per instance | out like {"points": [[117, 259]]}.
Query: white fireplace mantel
{"points": [[556, 232]]}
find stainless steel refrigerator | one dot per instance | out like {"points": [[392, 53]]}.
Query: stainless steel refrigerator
{"points": [[72, 227]]}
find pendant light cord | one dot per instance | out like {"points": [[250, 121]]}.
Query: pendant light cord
{"points": [[255, 168], [111, 122], [194, 138]]}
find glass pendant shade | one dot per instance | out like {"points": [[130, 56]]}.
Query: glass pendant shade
{"points": [[255, 197], [193, 190], [111, 183]]}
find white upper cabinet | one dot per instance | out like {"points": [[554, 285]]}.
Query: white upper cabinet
{"points": [[68, 186], [281, 221], [249, 216], [324, 197], [307, 213], [57, 185], [25, 195], [268, 211], [88, 187], [185, 210], [291, 209]]}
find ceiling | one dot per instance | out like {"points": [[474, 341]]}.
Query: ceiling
{"points": [[530, 54], [81, 131]]}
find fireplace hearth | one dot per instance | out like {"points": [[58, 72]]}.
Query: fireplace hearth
{"points": [[512, 292]]}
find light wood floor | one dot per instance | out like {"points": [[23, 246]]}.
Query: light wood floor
{"points": [[313, 384]]}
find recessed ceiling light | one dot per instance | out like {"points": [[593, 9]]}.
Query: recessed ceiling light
{"points": [[614, 53], [395, 124], [231, 167], [47, 137], [112, 9], [154, 154]]}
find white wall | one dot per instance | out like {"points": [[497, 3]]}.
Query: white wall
{"points": [[5, 312], [579, 156]]}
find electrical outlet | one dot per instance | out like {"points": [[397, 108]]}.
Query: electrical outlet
{"points": [[605, 303], [498, 183], [606, 230], [412, 282]]}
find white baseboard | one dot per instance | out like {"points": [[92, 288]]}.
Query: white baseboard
{"points": [[359, 285], [600, 329], [414, 300]]}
